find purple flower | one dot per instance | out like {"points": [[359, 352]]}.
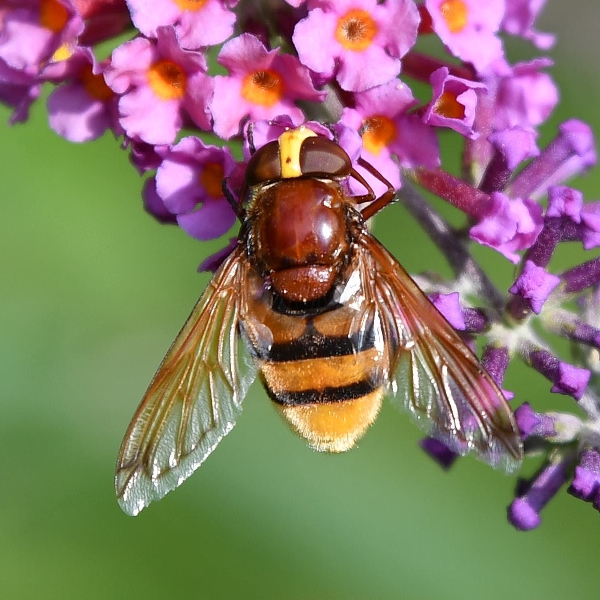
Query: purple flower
{"points": [[525, 96], [590, 219], [159, 84], [449, 306], [454, 102], [508, 225], [197, 24], [439, 452], [34, 30], [567, 379], [261, 85], [18, 90], [535, 285], [532, 423], [570, 153], [519, 18], [154, 204], [523, 513], [564, 201], [189, 182], [359, 42], [83, 107], [213, 262], [586, 483], [515, 145]]}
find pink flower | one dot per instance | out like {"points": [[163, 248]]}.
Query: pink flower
{"points": [[519, 19], [526, 97], [515, 144], [359, 42], [508, 225], [261, 85], [160, 85], [34, 31], [468, 29], [389, 131], [83, 107], [197, 24], [453, 103], [189, 182]]}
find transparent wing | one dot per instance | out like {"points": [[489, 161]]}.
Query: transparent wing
{"points": [[435, 375], [194, 398]]}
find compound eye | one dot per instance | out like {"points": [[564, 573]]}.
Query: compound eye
{"points": [[264, 165], [320, 156]]}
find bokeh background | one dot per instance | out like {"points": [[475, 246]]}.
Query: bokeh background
{"points": [[92, 292]]}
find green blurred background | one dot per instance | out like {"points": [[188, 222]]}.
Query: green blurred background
{"points": [[93, 292]]}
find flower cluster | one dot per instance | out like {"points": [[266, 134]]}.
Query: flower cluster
{"points": [[197, 68]]}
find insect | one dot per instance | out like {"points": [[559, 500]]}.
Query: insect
{"points": [[331, 322]]}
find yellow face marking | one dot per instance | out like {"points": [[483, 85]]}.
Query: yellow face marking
{"points": [[289, 150]]}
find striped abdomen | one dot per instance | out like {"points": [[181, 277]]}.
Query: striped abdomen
{"points": [[327, 383]]}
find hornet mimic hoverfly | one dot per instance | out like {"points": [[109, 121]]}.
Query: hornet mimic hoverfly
{"points": [[332, 322]]}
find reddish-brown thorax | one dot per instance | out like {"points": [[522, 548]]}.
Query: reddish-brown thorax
{"points": [[301, 237]]}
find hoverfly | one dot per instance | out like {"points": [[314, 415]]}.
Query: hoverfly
{"points": [[332, 323]]}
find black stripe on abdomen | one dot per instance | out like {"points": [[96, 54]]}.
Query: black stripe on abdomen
{"points": [[321, 396]]}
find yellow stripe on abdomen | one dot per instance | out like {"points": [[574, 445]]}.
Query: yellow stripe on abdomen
{"points": [[285, 378]]}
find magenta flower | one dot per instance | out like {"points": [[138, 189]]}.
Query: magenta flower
{"points": [[261, 85], [213, 262], [34, 30], [197, 24], [389, 131], [359, 42], [534, 284], [454, 102], [154, 204], [508, 225], [526, 97], [514, 145], [468, 28], [83, 107], [189, 182], [586, 483], [449, 306], [160, 85], [519, 19], [18, 90]]}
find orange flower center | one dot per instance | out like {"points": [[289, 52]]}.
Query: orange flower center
{"points": [[190, 5], [378, 134], [94, 84], [211, 179], [356, 30], [447, 106], [63, 52], [53, 16], [262, 87], [455, 13], [167, 80]]}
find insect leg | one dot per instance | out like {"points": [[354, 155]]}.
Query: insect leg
{"points": [[383, 200]]}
